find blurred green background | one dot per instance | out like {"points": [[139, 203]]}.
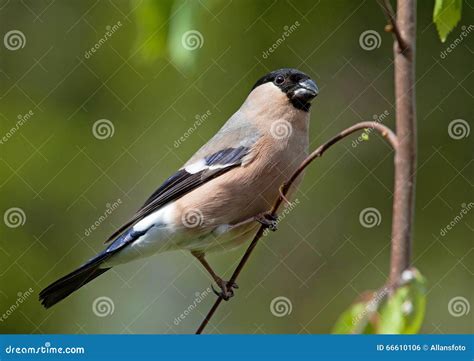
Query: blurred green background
{"points": [[153, 83]]}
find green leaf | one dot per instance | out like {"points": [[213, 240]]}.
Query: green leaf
{"points": [[361, 316], [349, 319], [391, 315], [417, 294], [404, 311], [446, 15], [378, 312]]}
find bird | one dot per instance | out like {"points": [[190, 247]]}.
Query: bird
{"points": [[223, 193]]}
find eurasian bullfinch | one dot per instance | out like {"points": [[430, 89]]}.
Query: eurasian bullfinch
{"points": [[218, 198]]}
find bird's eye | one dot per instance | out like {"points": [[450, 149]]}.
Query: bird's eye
{"points": [[279, 80]]}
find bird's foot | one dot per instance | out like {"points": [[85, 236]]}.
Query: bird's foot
{"points": [[268, 220], [227, 289]]}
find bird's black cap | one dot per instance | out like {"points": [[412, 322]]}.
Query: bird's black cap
{"points": [[298, 86]]}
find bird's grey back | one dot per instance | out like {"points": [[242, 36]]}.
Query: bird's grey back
{"points": [[236, 132]]}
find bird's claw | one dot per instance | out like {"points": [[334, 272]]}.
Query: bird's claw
{"points": [[268, 220], [227, 289]]}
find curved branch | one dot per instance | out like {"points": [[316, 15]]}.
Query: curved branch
{"points": [[382, 129]]}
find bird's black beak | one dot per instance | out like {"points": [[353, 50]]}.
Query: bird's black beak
{"points": [[305, 91]]}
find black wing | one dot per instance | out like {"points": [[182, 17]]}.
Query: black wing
{"points": [[185, 181]]}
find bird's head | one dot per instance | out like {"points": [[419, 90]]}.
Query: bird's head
{"points": [[298, 88]]}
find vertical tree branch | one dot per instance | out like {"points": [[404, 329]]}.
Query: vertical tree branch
{"points": [[405, 157]]}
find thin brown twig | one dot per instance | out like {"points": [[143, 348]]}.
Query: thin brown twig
{"points": [[382, 129], [393, 27]]}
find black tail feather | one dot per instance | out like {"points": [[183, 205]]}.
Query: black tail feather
{"points": [[66, 285]]}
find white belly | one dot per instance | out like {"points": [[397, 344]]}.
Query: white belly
{"points": [[156, 240], [161, 235]]}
